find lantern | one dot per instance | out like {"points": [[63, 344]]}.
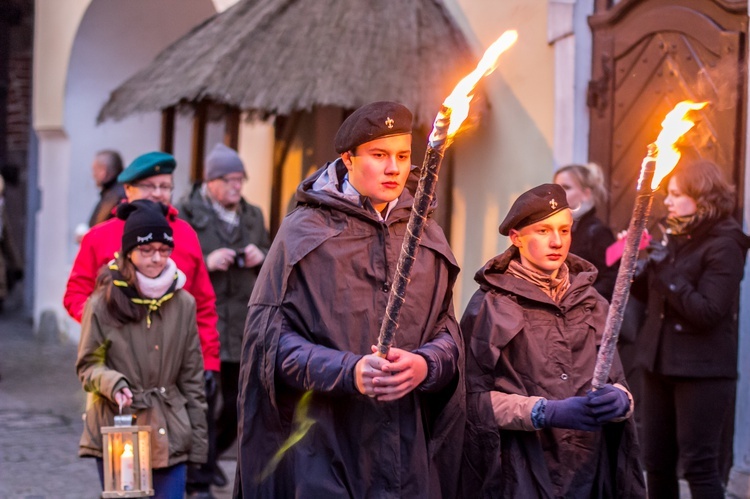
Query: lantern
{"points": [[127, 459]]}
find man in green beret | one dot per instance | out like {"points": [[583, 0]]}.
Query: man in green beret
{"points": [[356, 425], [149, 176], [535, 428]]}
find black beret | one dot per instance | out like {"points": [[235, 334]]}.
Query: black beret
{"points": [[147, 165], [372, 121], [145, 222], [534, 205]]}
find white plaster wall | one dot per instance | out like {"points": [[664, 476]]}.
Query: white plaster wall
{"points": [[83, 50], [512, 151]]}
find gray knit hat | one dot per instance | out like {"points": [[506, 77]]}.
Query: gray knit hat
{"points": [[221, 161]]}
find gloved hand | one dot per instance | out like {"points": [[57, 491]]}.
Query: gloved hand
{"points": [[211, 379], [607, 403], [657, 252], [572, 413]]}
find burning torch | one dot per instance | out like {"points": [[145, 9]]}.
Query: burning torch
{"points": [[452, 114], [661, 158]]}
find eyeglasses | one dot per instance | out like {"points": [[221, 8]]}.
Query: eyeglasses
{"points": [[232, 180], [148, 251], [153, 188]]}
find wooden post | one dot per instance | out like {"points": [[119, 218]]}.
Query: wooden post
{"points": [[198, 150], [167, 129], [232, 127]]}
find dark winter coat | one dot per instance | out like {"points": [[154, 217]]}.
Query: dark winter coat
{"points": [[109, 197], [519, 341], [323, 290], [590, 240], [692, 301], [162, 366], [233, 286]]}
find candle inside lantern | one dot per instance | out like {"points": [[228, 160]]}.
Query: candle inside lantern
{"points": [[127, 474]]}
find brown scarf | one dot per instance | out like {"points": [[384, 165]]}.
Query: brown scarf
{"points": [[555, 287]]}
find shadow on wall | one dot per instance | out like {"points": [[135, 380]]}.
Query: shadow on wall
{"points": [[505, 156]]}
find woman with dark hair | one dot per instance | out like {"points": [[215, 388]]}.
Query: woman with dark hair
{"points": [[140, 350], [584, 188], [689, 337]]}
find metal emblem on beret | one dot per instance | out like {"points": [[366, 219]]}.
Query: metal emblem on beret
{"points": [[389, 122], [552, 203], [157, 168]]}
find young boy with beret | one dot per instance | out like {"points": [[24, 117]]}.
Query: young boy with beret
{"points": [[535, 428], [320, 414]]}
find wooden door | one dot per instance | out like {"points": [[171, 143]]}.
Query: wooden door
{"points": [[649, 55]]}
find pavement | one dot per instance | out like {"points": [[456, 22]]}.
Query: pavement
{"points": [[41, 402]]}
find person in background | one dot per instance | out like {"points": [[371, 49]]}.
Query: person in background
{"points": [[688, 342], [149, 176], [11, 264], [320, 414], [234, 241], [106, 167], [584, 188], [535, 428], [139, 350]]}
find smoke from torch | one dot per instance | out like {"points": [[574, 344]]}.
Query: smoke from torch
{"points": [[662, 157], [452, 114]]}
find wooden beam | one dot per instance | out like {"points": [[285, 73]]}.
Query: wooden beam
{"points": [[167, 129], [232, 128], [284, 138], [198, 149]]}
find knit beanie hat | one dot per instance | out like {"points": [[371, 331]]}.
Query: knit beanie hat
{"points": [[145, 222], [221, 161]]}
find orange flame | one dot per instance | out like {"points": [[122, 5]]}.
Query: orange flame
{"points": [[458, 101], [674, 126]]}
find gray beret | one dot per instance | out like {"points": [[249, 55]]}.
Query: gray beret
{"points": [[147, 165], [222, 160], [372, 121], [534, 205]]}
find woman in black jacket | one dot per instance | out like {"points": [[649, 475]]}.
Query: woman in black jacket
{"points": [[584, 188], [689, 338]]}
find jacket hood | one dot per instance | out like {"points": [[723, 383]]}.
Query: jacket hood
{"points": [[323, 188], [729, 227], [492, 274]]}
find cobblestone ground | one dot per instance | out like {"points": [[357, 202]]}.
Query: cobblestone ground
{"points": [[41, 402]]}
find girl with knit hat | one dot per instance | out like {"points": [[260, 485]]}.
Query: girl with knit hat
{"points": [[140, 351]]}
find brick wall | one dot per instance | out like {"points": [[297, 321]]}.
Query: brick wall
{"points": [[19, 107]]}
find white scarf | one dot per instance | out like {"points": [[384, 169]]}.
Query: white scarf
{"points": [[158, 286]]}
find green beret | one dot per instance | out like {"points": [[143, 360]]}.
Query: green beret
{"points": [[534, 205], [147, 165], [372, 121]]}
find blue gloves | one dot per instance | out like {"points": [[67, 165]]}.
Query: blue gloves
{"points": [[572, 413], [587, 413], [607, 403]]}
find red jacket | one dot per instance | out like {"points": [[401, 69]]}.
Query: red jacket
{"points": [[99, 246]]}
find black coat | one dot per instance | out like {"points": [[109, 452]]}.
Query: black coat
{"points": [[692, 303], [315, 310], [109, 197], [590, 240]]}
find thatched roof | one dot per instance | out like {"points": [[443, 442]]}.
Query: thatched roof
{"points": [[274, 57]]}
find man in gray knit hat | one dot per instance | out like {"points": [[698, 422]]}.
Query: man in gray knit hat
{"points": [[234, 241]]}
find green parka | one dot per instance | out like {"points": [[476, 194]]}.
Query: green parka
{"points": [[163, 367]]}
